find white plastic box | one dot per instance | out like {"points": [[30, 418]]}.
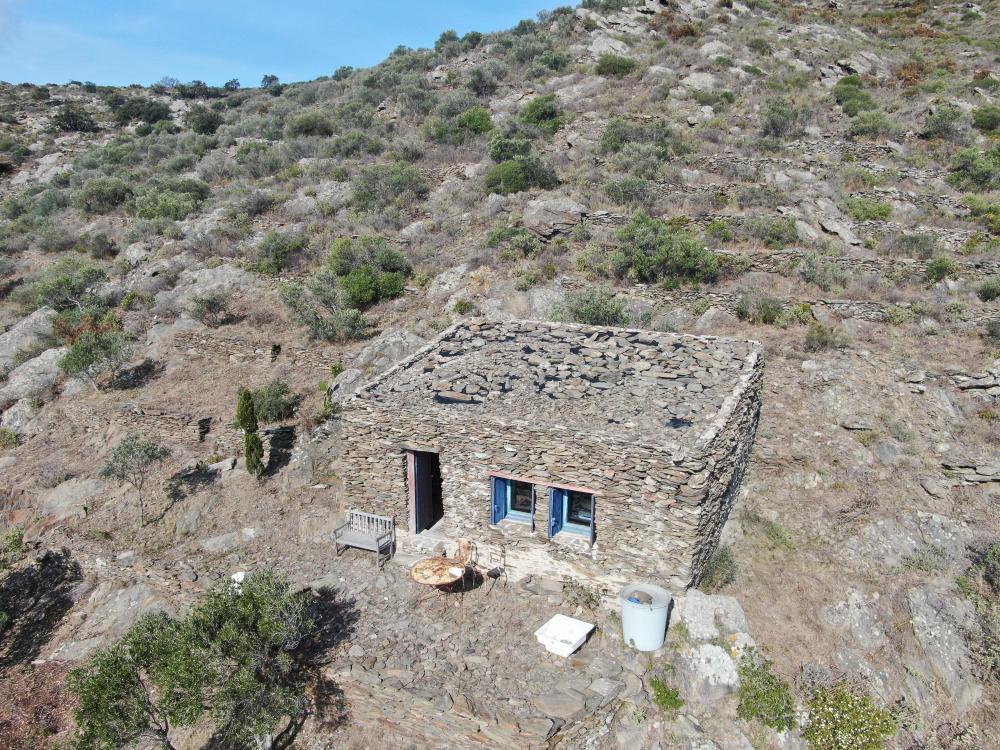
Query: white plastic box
{"points": [[563, 635]]}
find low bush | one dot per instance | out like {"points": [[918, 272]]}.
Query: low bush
{"points": [[986, 118], [544, 113], [631, 191], [665, 698], [367, 269], [260, 159], [775, 232], [274, 402], [989, 289], [319, 306], [651, 250], [615, 66], [872, 124], [981, 585], [212, 309], [309, 123], [820, 337], [840, 719], [74, 118], [976, 170], [988, 212], [620, 134], [519, 174], [941, 268], [171, 199], [352, 143], [482, 82], [866, 209], [922, 245], [139, 108], [457, 130], [599, 307], [759, 309], [271, 256], [850, 94], [945, 122], [720, 569], [203, 120], [780, 118], [8, 440], [99, 195], [514, 243], [63, 285], [380, 186], [96, 352], [508, 147], [763, 695]]}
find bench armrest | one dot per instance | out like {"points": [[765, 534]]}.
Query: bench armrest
{"points": [[344, 525], [386, 537]]}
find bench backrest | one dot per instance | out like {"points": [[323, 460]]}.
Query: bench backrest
{"points": [[370, 524]]}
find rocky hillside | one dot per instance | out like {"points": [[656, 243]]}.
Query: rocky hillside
{"points": [[823, 177]]}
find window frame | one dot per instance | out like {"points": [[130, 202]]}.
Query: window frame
{"points": [[519, 515], [571, 526]]}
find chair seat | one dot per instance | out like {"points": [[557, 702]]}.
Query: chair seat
{"points": [[357, 539]]}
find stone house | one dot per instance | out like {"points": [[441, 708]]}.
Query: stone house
{"points": [[599, 453]]}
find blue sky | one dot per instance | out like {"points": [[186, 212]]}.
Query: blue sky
{"points": [[115, 42]]}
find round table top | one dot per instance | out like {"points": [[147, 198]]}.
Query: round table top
{"points": [[437, 571]]}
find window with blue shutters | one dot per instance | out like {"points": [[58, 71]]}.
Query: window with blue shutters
{"points": [[501, 488], [571, 511], [513, 500]]}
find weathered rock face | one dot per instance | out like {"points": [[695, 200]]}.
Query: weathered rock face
{"points": [[392, 346], [548, 216], [17, 417], [28, 334], [658, 426], [33, 379]]}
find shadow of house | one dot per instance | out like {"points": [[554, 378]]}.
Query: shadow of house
{"points": [[33, 601]]}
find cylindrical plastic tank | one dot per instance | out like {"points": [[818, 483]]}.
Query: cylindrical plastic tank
{"points": [[644, 615]]}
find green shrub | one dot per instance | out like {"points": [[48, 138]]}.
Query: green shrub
{"points": [[976, 170], [825, 274], [514, 243], [309, 123], [475, 120], [631, 191], [543, 112], [8, 440], [93, 353], [507, 148], [651, 250], [665, 698], [986, 118], [259, 159], [720, 569], [866, 209], [211, 309], [941, 268], [172, 199], [759, 46], [319, 306], [482, 82], [63, 285], [922, 245], [820, 337], [99, 195], [599, 307], [74, 118], [472, 122], [758, 309], [872, 124], [986, 211], [945, 122], [850, 94], [619, 133], [615, 66], [779, 118], [519, 174], [353, 143], [134, 108], [842, 720], [368, 270], [989, 289], [274, 402], [379, 186], [203, 120], [274, 251], [774, 232], [763, 695]]}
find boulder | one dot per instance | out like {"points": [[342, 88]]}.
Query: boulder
{"points": [[345, 384], [708, 617], [29, 333], [68, 500], [393, 345], [707, 674], [203, 281], [713, 319], [604, 43], [841, 230], [549, 216], [17, 417], [33, 379]]}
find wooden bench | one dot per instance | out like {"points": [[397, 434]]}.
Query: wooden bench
{"points": [[367, 531]]}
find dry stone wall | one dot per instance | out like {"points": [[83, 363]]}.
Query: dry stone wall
{"points": [[659, 508]]}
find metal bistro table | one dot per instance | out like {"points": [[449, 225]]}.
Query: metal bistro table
{"points": [[439, 573]]}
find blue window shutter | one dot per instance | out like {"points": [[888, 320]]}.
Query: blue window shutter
{"points": [[499, 499], [593, 518], [556, 498]]}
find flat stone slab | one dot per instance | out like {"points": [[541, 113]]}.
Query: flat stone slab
{"points": [[562, 704]]}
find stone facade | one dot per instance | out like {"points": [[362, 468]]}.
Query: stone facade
{"points": [[658, 426]]}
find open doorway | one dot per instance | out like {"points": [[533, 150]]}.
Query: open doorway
{"points": [[423, 475]]}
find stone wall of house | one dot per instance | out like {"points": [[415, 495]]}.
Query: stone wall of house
{"points": [[655, 512]]}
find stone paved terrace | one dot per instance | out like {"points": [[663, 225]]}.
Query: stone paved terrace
{"points": [[660, 389]]}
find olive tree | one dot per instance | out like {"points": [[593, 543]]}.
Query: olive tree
{"points": [[132, 461], [236, 659]]}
